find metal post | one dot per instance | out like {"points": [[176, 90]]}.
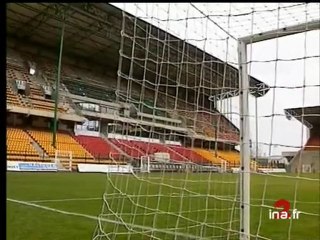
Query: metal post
{"points": [[56, 101], [244, 143], [148, 161], [257, 130]]}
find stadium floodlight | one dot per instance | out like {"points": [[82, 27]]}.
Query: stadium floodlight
{"points": [[32, 68], [32, 71]]}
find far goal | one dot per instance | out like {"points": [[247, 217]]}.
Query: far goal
{"points": [[63, 160]]}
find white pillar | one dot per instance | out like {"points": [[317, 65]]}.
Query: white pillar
{"points": [[244, 143]]}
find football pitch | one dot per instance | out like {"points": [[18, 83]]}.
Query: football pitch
{"points": [[66, 206]]}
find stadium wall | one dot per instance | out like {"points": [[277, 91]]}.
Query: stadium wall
{"points": [[314, 132], [310, 162]]}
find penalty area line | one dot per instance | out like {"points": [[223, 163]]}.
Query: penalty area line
{"points": [[65, 200], [146, 228], [52, 209]]}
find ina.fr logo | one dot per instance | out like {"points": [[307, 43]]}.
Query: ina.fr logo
{"points": [[285, 212]]}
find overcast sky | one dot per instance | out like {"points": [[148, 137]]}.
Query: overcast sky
{"points": [[210, 34]]}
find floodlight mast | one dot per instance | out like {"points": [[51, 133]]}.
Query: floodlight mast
{"points": [[56, 101]]}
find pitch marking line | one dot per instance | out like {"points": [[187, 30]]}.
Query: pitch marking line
{"points": [[102, 219], [156, 195], [65, 200]]}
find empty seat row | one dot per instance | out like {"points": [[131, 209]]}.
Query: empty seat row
{"points": [[97, 147], [128, 148], [208, 155], [230, 156], [137, 149], [64, 142], [151, 148], [190, 154], [86, 148], [19, 143]]}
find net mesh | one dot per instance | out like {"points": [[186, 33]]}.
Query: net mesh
{"points": [[182, 73]]}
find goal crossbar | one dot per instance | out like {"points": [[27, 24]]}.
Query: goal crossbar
{"points": [[286, 31]]}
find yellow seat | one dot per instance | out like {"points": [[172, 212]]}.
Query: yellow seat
{"points": [[207, 155], [19, 145], [232, 157], [64, 143]]}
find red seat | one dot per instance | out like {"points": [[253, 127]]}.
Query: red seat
{"points": [[97, 147], [128, 148], [137, 149], [189, 154]]}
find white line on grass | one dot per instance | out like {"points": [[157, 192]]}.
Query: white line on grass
{"points": [[150, 195], [102, 219], [65, 200]]}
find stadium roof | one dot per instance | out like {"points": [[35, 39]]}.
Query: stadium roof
{"points": [[92, 31], [309, 116]]}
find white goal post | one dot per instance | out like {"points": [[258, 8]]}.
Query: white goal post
{"points": [[224, 166], [63, 160], [245, 162], [145, 164]]}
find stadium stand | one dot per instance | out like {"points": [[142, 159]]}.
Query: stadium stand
{"points": [[87, 82], [128, 148], [232, 157], [76, 81], [152, 148], [190, 154], [138, 149], [99, 148], [12, 98], [65, 142], [19, 146], [36, 97], [202, 126], [82, 89], [147, 106], [80, 82], [208, 155], [91, 147], [207, 124]]}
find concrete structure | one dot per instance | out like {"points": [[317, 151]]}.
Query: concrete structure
{"points": [[307, 160]]}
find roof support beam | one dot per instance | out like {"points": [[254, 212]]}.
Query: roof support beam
{"points": [[94, 30], [88, 10], [96, 26], [52, 11], [28, 27]]}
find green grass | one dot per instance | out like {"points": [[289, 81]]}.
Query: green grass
{"points": [[172, 202]]}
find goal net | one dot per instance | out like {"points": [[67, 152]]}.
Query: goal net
{"points": [[217, 84], [63, 160]]}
